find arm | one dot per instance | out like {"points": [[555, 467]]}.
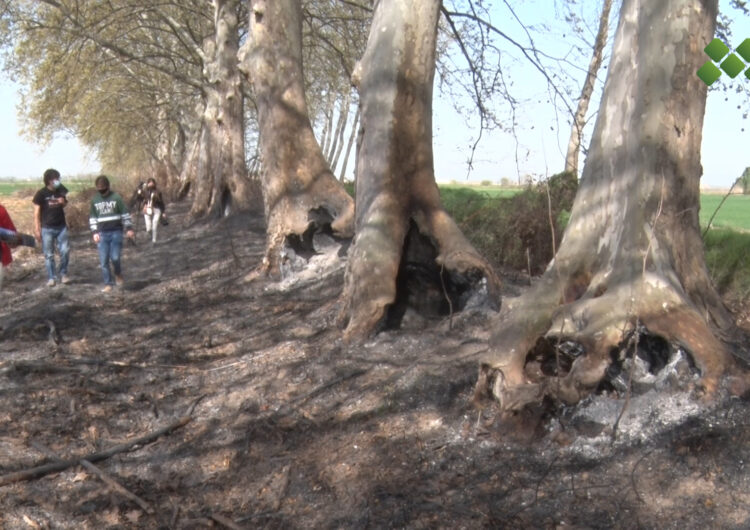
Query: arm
{"points": [[7, 224], [94, 222], [63, 191], [37, 222]]}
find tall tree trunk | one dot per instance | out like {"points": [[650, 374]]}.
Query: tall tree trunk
{"points": [[165, 171], [220, 177], [579, 120], [407, 250], [631, 260], [300, 192], [350, 144], [338, 137], [325, 138]]}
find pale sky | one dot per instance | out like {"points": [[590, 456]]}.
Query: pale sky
{"points": [[541, 151], [25, 159]]}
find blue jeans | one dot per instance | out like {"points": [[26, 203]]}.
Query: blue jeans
{"points": [[49, 237], [110, 250]]}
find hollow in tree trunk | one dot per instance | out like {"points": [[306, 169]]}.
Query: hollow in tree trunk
{"points": [[300, 193], [407, 250], [631, 259]]}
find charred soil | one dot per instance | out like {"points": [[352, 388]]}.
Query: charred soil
{"points": [[289, 428]]}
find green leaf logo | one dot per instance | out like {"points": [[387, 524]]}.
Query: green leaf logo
{"points": [[730, 64]]}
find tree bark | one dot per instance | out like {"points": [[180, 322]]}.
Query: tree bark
{"points": [[406, 247], [300, 192], [338, 135], [218, 168], [632, 256], [579, 120], [349, 145]]}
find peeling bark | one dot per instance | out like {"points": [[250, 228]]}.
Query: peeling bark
{"points": [[216, 165], [299, 189], [406, 245], [631, 257]]}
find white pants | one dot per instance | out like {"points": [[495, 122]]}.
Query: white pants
{"points": [[152, 222]]}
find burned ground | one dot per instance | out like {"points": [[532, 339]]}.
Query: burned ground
{"points": [[291, 429]]}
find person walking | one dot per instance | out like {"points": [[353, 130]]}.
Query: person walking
{"points": [[153, 208], [50, 227], [5, 254], [108, 218]]}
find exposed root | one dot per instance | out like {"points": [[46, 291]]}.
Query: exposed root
{"points": [[570, 351], [289, 248]]}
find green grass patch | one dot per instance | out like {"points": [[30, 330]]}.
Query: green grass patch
{"points": [[734, 213], [491, 192], [727, 254]]}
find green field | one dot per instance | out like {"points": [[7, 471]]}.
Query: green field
{"points": [[490, 191], [734, 213], [8, 187]]}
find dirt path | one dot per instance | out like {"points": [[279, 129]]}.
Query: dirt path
{"points": [[292, 430]]}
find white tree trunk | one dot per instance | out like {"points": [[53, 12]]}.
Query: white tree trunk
{"points": [[297, 181], [632, 253], [221, 175], [402, 232]]}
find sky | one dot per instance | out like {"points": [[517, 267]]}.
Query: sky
{"points": [[542, 133], [726, 135], [23, 158]]}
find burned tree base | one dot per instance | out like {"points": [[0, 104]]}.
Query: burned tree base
{"points": [[620, 341], [313, 253], [427, 282]]}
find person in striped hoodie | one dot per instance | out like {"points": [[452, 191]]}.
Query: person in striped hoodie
{"points": [[108, 218]]}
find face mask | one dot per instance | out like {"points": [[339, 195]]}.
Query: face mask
{"points": [[55, 184]]}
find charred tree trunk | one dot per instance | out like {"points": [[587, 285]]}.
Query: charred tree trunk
{"points": [[217, 161], [299, 190], [406, 245], [631, 260], [579, 120]]}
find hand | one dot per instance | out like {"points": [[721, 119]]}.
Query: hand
{"points": [[38, 234], [130, 234], [96, 238]]}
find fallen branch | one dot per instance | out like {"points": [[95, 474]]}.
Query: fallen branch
{"points": [[225, 521], [55, 467], [112, 483], [109, 481]]}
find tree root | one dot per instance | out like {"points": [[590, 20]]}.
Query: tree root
{"points": [[599, 326]]}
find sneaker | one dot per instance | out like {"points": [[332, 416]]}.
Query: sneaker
{"points": [[106, 288], [50, 283], [65, 279], [119, 281]]}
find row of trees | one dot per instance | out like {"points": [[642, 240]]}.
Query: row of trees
{"points": [[173, 76]]}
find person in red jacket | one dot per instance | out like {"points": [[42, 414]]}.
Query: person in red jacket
{"points": [[5, 255]]}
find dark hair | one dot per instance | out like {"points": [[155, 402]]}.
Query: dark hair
{"points": [[150, 180], [50, 175], [101, 181]]}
